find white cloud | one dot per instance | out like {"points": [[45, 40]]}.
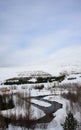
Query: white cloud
{"points": [[30, 32]]}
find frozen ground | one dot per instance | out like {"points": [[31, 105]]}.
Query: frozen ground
{"points": [[73, 76]]}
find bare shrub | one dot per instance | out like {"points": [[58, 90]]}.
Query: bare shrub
{"points": [[39, 87]]}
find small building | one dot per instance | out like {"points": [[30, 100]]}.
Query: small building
{"points": [[4, 89]]}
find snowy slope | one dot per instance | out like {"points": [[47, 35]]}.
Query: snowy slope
{"points": [[33, 74], [6, 73]]}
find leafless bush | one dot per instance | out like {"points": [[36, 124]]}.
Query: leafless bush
{"points": [[70, 86], [74, 93], [39, 87]]}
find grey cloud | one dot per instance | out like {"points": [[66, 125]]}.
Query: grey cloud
{"points": [[42, 26]]}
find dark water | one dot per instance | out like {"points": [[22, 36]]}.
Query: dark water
{"points": [[27, 122]]}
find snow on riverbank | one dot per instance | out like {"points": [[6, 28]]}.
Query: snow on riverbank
{"points": [[53, 94]]}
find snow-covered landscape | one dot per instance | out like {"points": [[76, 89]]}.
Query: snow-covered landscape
{"points": [[40, 64], [41, 105]]}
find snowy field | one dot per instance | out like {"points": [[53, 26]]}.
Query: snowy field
{"points": [[39, 102]]}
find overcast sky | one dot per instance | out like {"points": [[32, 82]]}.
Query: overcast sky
{"points": [[40, 32]]}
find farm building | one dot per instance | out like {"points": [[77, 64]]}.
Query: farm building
{"points": [[4, 89]]}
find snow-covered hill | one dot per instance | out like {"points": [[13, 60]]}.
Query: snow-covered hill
{"points": [[34, 74], [7, 73]]}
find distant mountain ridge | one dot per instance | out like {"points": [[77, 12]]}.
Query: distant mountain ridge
{"points": [[34, 74]]}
